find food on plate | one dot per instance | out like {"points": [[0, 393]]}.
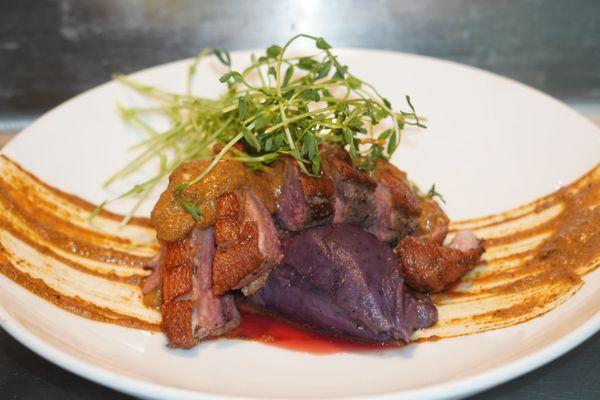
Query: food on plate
{"points": [[350, 253], [281, 197]]}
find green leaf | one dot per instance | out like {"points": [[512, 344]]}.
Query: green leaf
{"points": [[279, 141], [288, 95], [316, 165], [223, 56], [359, 129], [322, 71], [262, 120], [326, 93], [340, 72], [311, 95], [355, 122], [242, 107], [225, 77], [273, 51], [271, 71], [236, 76], [306, 63], [385, 134], [251, 139], [191, 208], [269, 145], [392, 143], [288, 75], [310, 147], [348, 136], [322, 44], [353, 82], [387, 103], [434, 193]]}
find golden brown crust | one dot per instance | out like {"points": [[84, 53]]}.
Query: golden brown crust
{"points": [[237, 255], [177, 324], [177, 286], [226, 223], [403, 196], [233, 264], [428, 267], [177, 280]]}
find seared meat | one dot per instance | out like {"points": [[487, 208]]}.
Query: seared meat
{"points": [[429, 267], [353, 189], [248, 245], [173, 222], [354, 194], [190, 310], [304, 201], [337, 273], [343, 280], [384, 204], [433, 222], [397, 205]]}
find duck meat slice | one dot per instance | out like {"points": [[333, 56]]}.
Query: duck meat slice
{"points": [[190, 310], [430, 268], [247, 243], [305, 200], [397, 205], [342, 280], [354, 190]]}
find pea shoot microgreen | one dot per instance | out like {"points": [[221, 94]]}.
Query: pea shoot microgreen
{"points": [[282, 104]]}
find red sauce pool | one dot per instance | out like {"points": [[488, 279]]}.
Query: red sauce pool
{"points": [[265, 329]]}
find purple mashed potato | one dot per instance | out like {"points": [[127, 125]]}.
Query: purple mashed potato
{"points": [[343, 280]]}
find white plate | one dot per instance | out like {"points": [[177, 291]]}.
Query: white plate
{"points": [[492, 144]]}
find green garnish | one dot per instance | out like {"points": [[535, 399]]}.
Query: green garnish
{"points": [[190, 207], [280, 105], [434, 193]]}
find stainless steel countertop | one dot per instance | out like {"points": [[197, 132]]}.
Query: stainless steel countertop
{"points": [[53, 50]]}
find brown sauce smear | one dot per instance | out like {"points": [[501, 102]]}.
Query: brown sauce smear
{"points": [[520, 277], [172, 221]]}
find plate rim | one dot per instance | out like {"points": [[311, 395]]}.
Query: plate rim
{"points": [[452, 389]]}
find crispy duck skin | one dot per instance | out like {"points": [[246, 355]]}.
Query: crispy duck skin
{"points": [[247, 240], [430, 268], [190, 310]]}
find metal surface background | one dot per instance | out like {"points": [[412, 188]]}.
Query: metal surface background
{"points": [[53, 50]]}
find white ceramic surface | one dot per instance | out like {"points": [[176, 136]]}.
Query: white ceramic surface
{"points": [[492, 144]]}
